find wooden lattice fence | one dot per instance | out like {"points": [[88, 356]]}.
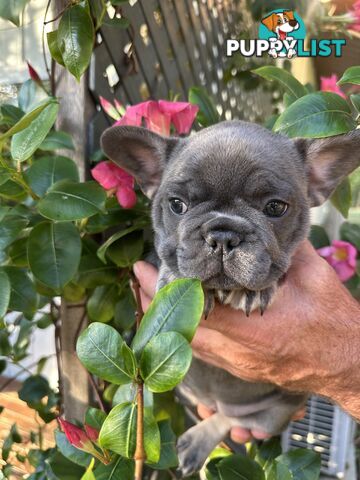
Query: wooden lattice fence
{"points": [[170, 46]]}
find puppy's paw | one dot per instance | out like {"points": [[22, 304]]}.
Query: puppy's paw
{"points": [[191, 457]]}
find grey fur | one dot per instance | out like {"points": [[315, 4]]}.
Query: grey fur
{"points": [[226, 174]]}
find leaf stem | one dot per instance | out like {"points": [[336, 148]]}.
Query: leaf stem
{"points": [[140, 455], [140, 450]]}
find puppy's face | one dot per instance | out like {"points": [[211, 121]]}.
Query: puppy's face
{"points": [[231, 203]]}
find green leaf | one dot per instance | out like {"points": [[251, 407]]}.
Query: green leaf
{"points": [[120, 468], [341, 198], [316, 115], [98, 10], [95, 417], [10, 228], [303, 464], [116, 22], [24, 143], [31, 95], [318, 237], [62, 469], [176, 307], [34, 389], [101, 304], [355, 100], [89, 475], [207, 114], [70, 452], [46, 171], [75, 39], [99, 349], [93, 272], [10, 115], [124, 315], [350, 232], [239, 467], [287, 81], [12, 437], [351, 75], [168, 455], [52, 40], [23, 296], [5, 290], [165, 361], [138, 225], [17, 253], [5, 175], [56, 140], [60, 247], [126, 250], [278, 471], [66, 201], [27, 119], [127, 393], [12, 9], [118, 432], [268, 451]]}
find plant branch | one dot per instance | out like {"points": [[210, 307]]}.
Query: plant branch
{"points": [[97, 393], [140, 450], [140, 455]]}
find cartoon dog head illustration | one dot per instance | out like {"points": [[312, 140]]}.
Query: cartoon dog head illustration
{"points": [[281, 23]]}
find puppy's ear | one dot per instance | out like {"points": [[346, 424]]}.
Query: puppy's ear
{"points": [[140, 152], [270, 21], [328, 161], [290, 14]]}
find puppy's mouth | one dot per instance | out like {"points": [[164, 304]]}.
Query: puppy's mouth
{"points": [[282, 35]]}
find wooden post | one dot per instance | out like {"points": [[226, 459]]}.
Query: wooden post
{"points": [[75, 111]]}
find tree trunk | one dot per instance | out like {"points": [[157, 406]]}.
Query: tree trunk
{"points": [[75, 111]]}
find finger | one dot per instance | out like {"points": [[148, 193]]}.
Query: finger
{"points": [[147, 276], [204, 411], [240, 435], [260, 435], [145, 301], [299, 414]]}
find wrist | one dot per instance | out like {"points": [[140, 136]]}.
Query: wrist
{"points": [[341, 381]]}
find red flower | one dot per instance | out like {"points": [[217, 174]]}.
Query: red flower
{"points": [[34, 75], [76, 436], [91, 432], [112, 177], [158, 116], [342, 257], [329, 84]]}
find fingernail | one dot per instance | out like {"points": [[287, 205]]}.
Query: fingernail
{"points": [[136, 269]]}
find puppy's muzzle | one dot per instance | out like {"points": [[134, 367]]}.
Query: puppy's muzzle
{"points": [[223, 240], [225, 234]]}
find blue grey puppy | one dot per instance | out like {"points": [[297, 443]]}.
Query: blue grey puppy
{"points": [[230, 204]]}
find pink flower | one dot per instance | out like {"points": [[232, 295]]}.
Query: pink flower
{"points": [[342, 257], [34, 75], [158, 116], [355, 17], [112, 177], [76, 436], [329, 84], [91, 432]]}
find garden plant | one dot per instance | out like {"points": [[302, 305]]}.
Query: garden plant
{"points": [[65, 239]]}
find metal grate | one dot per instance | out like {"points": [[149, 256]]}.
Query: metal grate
{"points": [[325, 429]]}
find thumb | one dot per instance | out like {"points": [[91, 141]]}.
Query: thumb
{"points": [[147, 276]]}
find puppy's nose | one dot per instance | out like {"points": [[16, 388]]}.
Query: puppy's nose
{"points": [[225, 240], [293, 23]]}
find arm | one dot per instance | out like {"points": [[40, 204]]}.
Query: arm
{"points": [[308, 340]]}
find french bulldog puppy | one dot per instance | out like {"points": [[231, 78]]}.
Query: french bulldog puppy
{"points": [[229, 206]]}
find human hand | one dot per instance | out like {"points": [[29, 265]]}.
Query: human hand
{"points": [[306, 341]]}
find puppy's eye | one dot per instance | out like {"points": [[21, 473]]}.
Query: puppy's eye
{"points": [[275, 208], [177, 206], [279, 21]]}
